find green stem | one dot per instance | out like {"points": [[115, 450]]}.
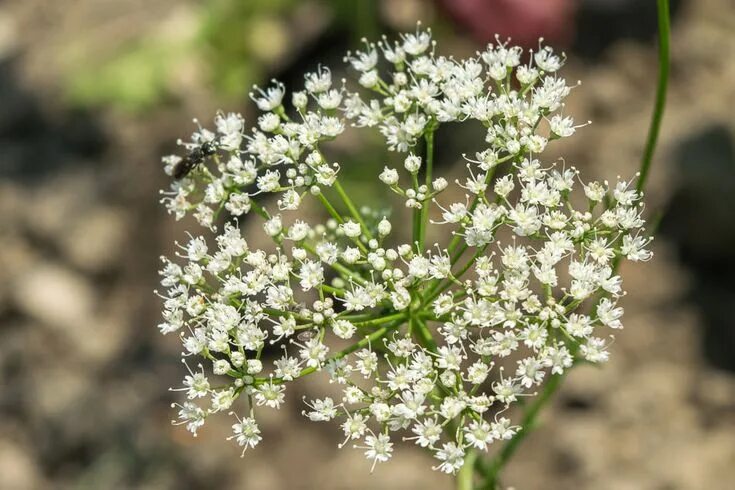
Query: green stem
{"points": [[349, 350], [664, 32], [259, 209], [453, 260], [527, 424], [424, 217], [333, 212], [357, 317], [332, 290], [418, 238], [344, 271], [278, 313], [351, 207], [381, 320], [464, 477], [424, 334], [330, 209], [472, 260]]}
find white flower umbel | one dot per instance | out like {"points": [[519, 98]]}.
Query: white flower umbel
{"points": [[443, 338]]}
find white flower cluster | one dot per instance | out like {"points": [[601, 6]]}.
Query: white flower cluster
{"points": [[436, 342]]}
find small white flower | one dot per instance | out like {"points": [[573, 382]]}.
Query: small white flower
{"points": [[451, 457], [322, 410], [223, 399], [379, 449], [270, 98], [389, 176], [479, 434], [502, 430], [270, 394], [246, 433], [344, 329]]}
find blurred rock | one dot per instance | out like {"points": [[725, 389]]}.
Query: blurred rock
{"points": [[15, 258], [18, 469], [715, 390], [8, 34], [57, 391], [94, 242], [55, 205], [55, 296], [65, 302]]}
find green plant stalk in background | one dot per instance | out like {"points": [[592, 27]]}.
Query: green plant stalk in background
{"points": [[490, 471], [664, 28]]}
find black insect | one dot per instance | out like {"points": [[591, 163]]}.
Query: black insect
{"points": [[195, 157], [306, 335]]}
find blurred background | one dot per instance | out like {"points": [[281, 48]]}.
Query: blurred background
{"points": [[93, 92]]}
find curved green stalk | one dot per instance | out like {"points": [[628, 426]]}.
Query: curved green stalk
{"points": [[530, 416]]}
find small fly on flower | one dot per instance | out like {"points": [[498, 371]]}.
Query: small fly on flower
{"points": [[306, 335], [195, 157]]}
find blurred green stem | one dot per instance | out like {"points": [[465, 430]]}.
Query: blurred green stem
{"points": [[530, 415], [466, 473], [664, 28], [366, 19]]}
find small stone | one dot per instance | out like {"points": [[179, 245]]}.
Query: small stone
{"points": [[54, 296], [17, 467], [95, 241]]}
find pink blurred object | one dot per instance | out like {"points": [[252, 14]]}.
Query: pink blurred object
{"points": [[523, 20]]}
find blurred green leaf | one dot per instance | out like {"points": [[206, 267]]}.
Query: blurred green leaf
{"points": [[134, 80]]}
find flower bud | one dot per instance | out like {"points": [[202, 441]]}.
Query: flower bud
{"points": [[439, 184], [273, 226], [351, 229], [299, 100], [369, 79], [254, 366], [412, 163], [384, 227], [389, 176], [220, 367]]}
